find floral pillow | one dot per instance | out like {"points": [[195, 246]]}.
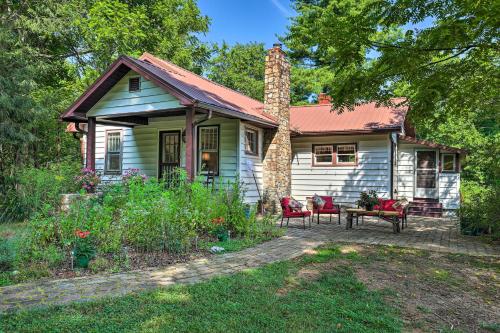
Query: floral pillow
{"points": [[295, 205], [401, 203], [318, 201]]}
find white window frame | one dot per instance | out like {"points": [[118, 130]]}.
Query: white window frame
{"points": [[316, 163], [106, 152], [337, 162], [256, 132], [454, 162], [202, 150]]}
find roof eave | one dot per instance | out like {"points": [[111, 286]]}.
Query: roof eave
{"points": [[348, 132], [238, 114], [431, 144]]}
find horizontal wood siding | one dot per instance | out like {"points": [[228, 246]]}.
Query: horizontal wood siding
{"points": [[343, 182], [449, 190], [406, 171], [252, 195], [140, 145], [120, 101]]}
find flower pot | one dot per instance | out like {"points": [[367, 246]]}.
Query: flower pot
{"points": [[82, 262], [369, 208]]}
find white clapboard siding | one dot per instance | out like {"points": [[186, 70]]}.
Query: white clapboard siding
{"points": [[251, 184], [120, 101], [344, 183], [449, 193], [140, 146]]}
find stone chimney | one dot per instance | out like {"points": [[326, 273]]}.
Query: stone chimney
{"points": [[277, 145], [324, 99]]}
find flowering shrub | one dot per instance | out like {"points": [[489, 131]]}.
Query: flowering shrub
{"points": [[88, 180], [133, 175], [83, 245]]}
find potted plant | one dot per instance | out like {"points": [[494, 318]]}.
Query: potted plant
{"points": [[220, 230], [84, 250], [368, 199]]}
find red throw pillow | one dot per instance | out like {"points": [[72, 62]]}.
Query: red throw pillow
{"points": [[328, 202]]}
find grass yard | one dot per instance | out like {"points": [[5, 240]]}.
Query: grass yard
{"points": [[342, 288]]}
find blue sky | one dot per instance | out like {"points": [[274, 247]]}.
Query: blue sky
{"points": [[246, 21]]}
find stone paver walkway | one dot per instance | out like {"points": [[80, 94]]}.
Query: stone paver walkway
{"points": [[422, 233]]}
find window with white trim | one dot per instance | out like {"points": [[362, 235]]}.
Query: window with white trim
{"points": [[448, 163], [251, 141], [113, 160], [323, 155], [346, 154], [208, 149]]}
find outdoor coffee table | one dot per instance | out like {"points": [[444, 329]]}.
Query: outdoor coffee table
{"points": [[392, 215]]}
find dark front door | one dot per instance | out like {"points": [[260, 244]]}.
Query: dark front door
{"points": [[170, 153]]}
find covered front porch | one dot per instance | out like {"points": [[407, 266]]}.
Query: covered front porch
{"points": [[151, 115]]}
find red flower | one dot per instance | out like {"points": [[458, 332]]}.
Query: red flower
{"points": [[81, 234], [218, 220]]}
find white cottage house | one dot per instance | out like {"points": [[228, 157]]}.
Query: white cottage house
{"points": [[150, 114]]}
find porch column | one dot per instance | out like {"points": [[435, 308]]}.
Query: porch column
{"points": [[90, 153], [189, 143]]}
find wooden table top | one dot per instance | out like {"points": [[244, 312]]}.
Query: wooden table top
{"points": [[362, 211]]}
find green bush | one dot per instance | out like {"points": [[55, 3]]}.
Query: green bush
{"points": [[35, 189], [480, 210], [6, 255]]}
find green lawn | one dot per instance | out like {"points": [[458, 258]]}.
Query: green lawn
{"points": [[317, 293]]}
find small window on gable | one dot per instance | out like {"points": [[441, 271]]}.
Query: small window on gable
{"points": [[346, 154], [448, 163], [251, 141], [113, 162], [134, 84], [323, 155]]}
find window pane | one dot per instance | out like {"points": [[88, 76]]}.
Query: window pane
{"points": [[448, 162], [346, 158], [426, 160], [346, 149], [113, 162], [114, 139], [426, 178], [324, 159], [251, 141], [323, 150], [209, 138], [209, 161]]}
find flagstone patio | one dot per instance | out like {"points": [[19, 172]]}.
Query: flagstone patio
{"points": [[422, 233]]}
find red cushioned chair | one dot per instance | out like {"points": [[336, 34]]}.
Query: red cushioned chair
{"points": [[387, 205], [290, 213], [329, 208]]}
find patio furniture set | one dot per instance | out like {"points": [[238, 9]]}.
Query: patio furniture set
{"points": [[389, 210]]}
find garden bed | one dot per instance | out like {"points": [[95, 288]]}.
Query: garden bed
{"points": [[136, 224]]}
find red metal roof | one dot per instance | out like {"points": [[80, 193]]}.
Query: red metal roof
{"points": [[207, 91], [320, 119]]}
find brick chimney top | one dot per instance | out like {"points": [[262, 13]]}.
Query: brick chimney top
{"points": [[324, 99]]}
